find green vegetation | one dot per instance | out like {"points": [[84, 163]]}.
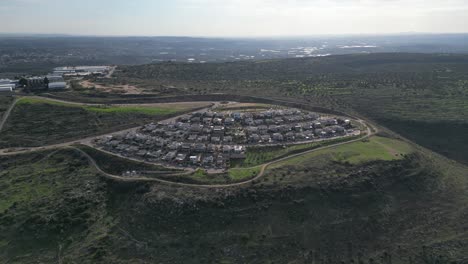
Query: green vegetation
{"points": [[421, 96], [5, 102], [239, 174], [376, 148], [260, 155], [147, 110], [48, 201], [117, 166], [54, 206], [36, 122]]}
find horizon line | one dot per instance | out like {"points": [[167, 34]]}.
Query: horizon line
{"points": [[233, 37]]}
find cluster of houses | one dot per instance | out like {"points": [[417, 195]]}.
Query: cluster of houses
{"points": [[211, 139]]}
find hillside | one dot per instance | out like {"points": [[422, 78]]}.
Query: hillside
{"points": [[56, 208], [421, 96], [378, 197]]}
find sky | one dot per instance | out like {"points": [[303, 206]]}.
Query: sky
{"points": [[232, 18]]}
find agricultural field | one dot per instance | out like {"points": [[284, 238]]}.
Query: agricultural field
{"points": [[37, 122]]}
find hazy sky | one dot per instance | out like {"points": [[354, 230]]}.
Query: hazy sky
{"points": [[232, 17]]}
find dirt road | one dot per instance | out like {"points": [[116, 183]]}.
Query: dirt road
{"points": [[7, 113]]}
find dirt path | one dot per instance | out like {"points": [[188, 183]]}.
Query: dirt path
{"points": [[7, 113], [111, 72], [391, 150]]}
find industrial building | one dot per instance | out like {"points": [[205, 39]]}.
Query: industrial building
{"points": [[57, 85]]}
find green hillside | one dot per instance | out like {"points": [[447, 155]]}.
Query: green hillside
{"points": [[56, 208], [37, 122]]}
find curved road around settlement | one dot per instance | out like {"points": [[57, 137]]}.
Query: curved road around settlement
{"points": [[86, 141]]}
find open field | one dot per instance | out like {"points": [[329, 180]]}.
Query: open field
{"points": [[118, 89], [376, 148], [36, 122], [259, 155], [238, 174]]}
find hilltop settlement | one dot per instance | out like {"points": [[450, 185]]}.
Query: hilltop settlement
{"points": [[211, 139]]}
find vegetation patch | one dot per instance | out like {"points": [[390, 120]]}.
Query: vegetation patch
{"points": [[376, 148], [240, 174], [260, 155], [37, 122], [48, 200]]}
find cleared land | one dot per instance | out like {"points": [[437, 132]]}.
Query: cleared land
{"points": [[109, 88], [37, 122]]}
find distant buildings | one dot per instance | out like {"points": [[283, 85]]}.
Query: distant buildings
{"points": [[7, 86], [57, 85], [56, 79], [81, 70]]}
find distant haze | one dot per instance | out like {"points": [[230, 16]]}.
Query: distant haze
{"points": [[232, 18]]}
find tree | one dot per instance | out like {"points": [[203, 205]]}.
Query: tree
{"points": [[46, 82], [23, 82]]}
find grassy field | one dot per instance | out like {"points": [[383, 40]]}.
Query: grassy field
{"points": [[239, 174], [158, 109], [260, 155], [376, 148], [36, 122]]}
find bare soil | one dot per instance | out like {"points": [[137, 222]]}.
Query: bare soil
{"points": [[123, 88]]}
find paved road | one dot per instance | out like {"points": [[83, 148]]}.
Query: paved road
{"points": [[249, 181], [87, 141]]}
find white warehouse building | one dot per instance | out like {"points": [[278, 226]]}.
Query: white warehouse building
{"points": [[57, 85]]}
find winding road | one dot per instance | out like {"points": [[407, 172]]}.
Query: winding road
{"points": [[87, 141]]}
